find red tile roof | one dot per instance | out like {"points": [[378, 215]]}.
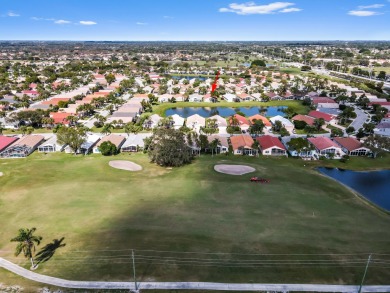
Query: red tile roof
{"points": [[242, 140], [259, 117], [322, 143], [241, 119], [317, 100], [309, 120], [317, 114], [60, 117], [5, 141], [55, 101], [267, 141], [349, 143]]}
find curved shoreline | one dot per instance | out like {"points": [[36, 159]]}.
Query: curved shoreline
{"points": [[357, 194]]}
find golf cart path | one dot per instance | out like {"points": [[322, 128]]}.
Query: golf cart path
{"points": [[184, 285]]}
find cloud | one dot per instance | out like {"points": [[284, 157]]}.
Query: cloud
{"points": [[252, 8], [87, 22], [141, 23], [287, 10], [61, 21], [363, 13], [12, 14], [373, 6]]}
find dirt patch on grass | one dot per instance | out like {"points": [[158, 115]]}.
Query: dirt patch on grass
{"points": [[125, 165], [234, 169]]}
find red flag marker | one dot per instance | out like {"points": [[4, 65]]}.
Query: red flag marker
{"points": [[214, 85]]}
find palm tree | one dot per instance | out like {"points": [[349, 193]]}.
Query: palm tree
{"points": [[107, 128], [1, 128], [27, 243]]}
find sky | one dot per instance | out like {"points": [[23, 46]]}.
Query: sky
{"points": [[193, 20]]}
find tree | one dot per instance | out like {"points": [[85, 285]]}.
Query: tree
{"points": [[381, 75], [1, 128], [260, 63], [26, 244], [299, 144], [107, 128], [318, 122], [257, 127], [284, 132], [132, 128], [107, 148], [289, 111], [214, 145], [368, 128], [377, 144], [350, 130], [74, 137], [336, 132], [110, 78], [168, 148]]}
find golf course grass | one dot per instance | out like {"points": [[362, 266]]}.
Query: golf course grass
{"points": [[311, 229]]}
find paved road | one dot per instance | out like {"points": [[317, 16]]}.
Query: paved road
{"points": [[360, 119], [184, 285]]}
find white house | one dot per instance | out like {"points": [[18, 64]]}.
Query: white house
{"points": [[285, 122], [135, 142], [195, 98], [231, 98], [195, 122], [51, 145], [152, 121], [178, 121]]}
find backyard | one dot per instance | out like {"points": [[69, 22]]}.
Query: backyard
{"points": [[300, 227]]}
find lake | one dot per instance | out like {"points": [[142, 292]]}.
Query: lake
{"points": [[373, 185], [224, 111], [201, 78]]}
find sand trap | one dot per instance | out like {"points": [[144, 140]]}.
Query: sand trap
{"points": [[1, 174], [125, 165], [234, 169]]}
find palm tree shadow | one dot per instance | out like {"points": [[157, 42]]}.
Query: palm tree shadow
{"points": [[48, 251]]}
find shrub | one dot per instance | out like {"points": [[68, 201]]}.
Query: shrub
{"points": [[107, 148]]}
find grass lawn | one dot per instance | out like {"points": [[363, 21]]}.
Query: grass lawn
{"points": [[104, 212], [303, 131], [296, 105]]}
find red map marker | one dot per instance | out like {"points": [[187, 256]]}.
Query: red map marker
{"points": [[214, 85]]}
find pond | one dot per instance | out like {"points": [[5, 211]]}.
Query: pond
{"points": [[225, 111], [373, 185], [201, 78]]}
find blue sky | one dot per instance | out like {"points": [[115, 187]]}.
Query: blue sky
{"points": [[194, 20]]}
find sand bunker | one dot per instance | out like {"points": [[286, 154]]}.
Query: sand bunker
{"points": [[1, 174], [125, 165], [234, 169]]}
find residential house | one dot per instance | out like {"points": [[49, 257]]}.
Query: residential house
{"points": [[271, 146], [23, 147], [116, 139], [152, 121], [195, 98], [351, 146], [317, 115], [326, 147], [231, 98], [223, 145], [177, 121], [309, 153], [309, 120], [87, 146], [6, 141], [51, 145], [195, 122], [243, 123], [135, 142], [285, 122], [243, 145], [266, 122]]}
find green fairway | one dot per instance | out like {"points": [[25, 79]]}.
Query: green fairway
{"points": [[296, 105], [300, 216]]}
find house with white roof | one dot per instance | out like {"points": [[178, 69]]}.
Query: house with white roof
{"points": [[51, 145], [178, 121], [195, 122], [285, 122]]}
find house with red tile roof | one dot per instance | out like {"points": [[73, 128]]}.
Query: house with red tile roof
{"points": [[60, 117], [317, 115], [55, 101], [266, 122], [271, 146], [6, 141], [243, 123], [242, 145], [351, 146], [326, 147], [309, 120]]}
